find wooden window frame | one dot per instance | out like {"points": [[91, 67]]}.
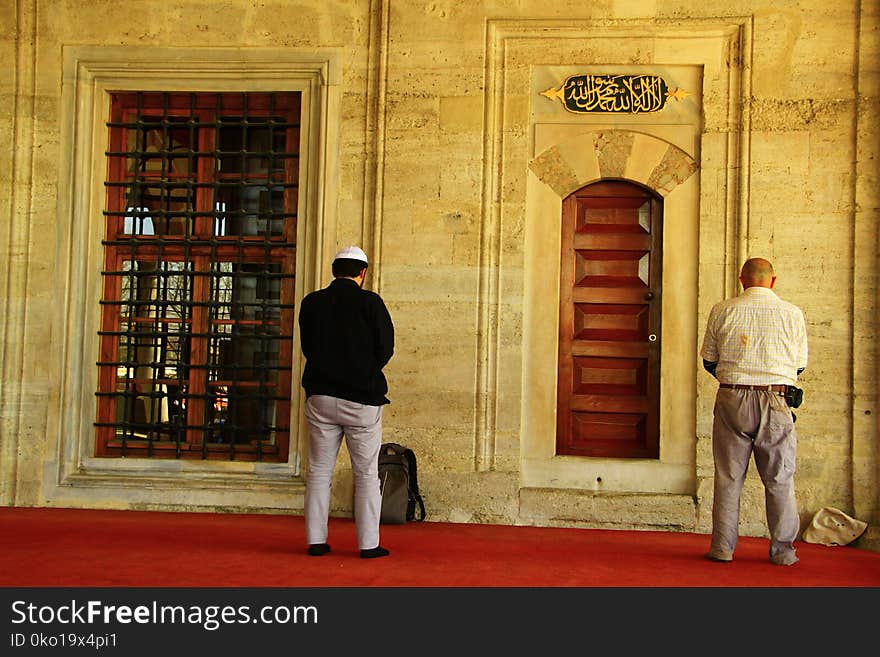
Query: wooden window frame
{"points": [[200, 247]]}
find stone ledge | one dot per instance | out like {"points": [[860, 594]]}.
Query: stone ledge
{"points": [[555, 507], [221, 494]]}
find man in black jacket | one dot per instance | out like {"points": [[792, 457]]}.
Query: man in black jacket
{"points": [[347, 337]]}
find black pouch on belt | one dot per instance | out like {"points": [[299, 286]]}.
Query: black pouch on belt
{"points": [[794, 396]]}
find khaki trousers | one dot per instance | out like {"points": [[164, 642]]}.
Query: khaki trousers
{"points": [[759, 423], [330, 418]]}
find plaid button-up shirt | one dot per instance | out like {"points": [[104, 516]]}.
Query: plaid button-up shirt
{"points": [[756, 338]]}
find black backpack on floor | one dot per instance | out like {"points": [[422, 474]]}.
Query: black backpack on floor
{"points": [[399, 483]]}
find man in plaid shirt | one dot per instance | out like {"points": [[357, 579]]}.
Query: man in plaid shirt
{"points": [[755, 345]]}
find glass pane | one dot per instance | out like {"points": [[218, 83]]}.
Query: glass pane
{"points": [[154, 349], [252, 163], [249, 210], [160, 168], [241, 415], [244, 350]]}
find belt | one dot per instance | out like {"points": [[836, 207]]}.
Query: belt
{"points": [[778, 388]]}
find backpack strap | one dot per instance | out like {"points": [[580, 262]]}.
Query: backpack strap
{"points": [[414, 483], [421, 508]]}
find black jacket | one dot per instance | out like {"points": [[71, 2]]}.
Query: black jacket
{"points": [[347, 338]]}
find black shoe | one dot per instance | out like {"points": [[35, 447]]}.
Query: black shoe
{"points": [[318, 549], [377, 551]]}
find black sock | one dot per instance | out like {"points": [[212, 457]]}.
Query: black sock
{"points": [[318, 549], [372, 553]]}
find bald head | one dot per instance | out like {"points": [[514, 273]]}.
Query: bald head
{"points": [[757, 272]]}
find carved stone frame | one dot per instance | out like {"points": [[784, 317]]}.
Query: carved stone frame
{"points": [[530, 165], [89, 73]]}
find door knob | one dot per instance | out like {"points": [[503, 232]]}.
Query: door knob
{"points": [[652, 337], [649, 295]]}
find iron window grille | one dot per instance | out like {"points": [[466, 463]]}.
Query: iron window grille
{"points": [[198, 278]]}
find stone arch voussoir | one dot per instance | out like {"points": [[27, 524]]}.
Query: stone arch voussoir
{"points": [[623, 154]]}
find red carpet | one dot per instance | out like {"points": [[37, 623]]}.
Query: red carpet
{"points": [[77, 547]]}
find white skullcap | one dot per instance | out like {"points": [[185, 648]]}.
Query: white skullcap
{"points": [[352, 253]]}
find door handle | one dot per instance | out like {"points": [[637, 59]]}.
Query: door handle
{"points": [[652, 337], [649, 295]]}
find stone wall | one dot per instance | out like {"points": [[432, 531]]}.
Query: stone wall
{"points": [[446, 165]]}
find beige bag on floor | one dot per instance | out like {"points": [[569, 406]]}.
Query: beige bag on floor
{"points": [[832, 526]]}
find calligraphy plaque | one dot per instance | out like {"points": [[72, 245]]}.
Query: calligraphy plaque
{"points": [[615, 94]]}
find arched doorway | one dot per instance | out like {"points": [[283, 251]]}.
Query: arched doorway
{"points": [[609, 322]]}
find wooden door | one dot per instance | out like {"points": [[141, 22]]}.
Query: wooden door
{"points": [[609, 322]]}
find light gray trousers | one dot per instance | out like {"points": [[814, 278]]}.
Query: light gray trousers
{"points": [[329, 419], [755, 422]]}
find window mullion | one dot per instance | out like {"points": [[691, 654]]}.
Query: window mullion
{"points": [[197, 411]]}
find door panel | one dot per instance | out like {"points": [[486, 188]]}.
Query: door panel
{"points": [[609, 331]]}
